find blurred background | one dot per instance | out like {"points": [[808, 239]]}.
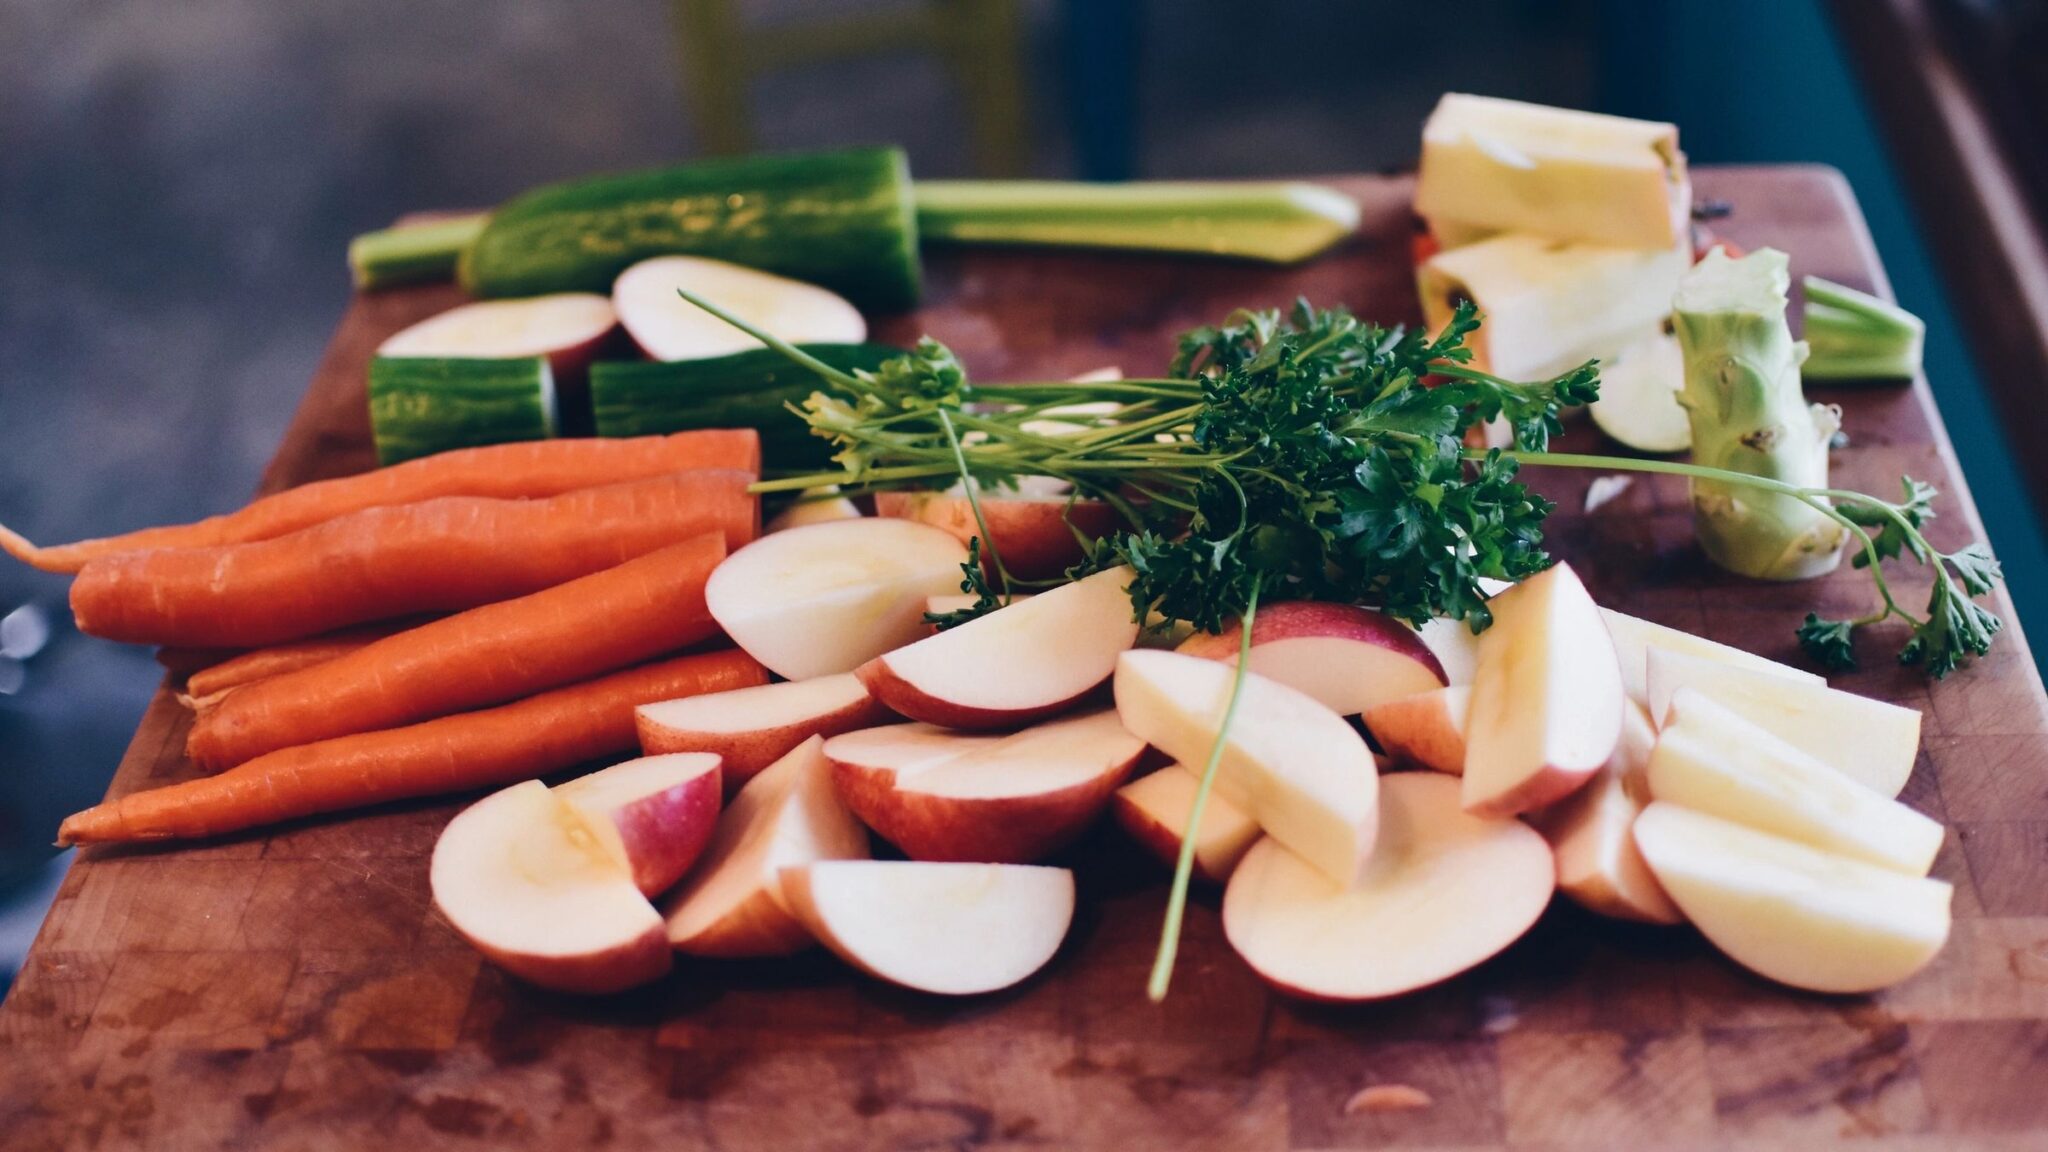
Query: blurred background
{"points": [[178, 183]]}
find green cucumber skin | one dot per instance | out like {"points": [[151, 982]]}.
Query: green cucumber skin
{"points": [[743, 390], [423, 405], [843, 220]]}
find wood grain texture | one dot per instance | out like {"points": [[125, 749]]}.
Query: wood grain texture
{"points": [[296, 989]]}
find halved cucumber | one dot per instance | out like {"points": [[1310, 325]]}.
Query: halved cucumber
{"points": [[668, 327], [423, 405]]}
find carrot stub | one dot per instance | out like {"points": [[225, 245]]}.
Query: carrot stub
{"points": [[441, 555], [533, 737], [600, 623], [528, 470]]}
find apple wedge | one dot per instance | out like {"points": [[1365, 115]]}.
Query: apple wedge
{"points": [[1453, 642], [1791, 913], [1547, 697], [1154, 809], [1592, 834], [787, 816], [668, 327], [1035, 536], [1867, 740], [1288, 762], [566, 327], [519, 875], [1445, 891], [949, 796], [751, 728], [1020, 663], [1635, 637], [654, 814], [1347, 657], [814, 506], [947, 929], [826, 598], [1711, 760], [1426, 729]]}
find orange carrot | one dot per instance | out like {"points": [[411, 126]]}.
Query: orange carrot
{"points": [[210, 680], [526, 470], [185, 661], [534, 737], [600, 623], [440, 555]]}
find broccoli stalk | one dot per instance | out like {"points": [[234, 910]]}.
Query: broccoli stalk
{"points": [[1748, 415]]}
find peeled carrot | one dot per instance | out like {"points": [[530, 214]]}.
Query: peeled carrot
{"points": [[533, 737], [440, 555], [523, 471], [211, 680], [600, 623]]}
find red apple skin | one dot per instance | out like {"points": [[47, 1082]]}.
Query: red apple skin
{"points": [[1034, 537], [1418, 730], [645, 959], [759, 927], [1306, 619], [1157, 838], [990, 830], [906, 699], [666, 832], [743, 754]]}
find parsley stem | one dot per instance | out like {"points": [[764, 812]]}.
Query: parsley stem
{"points": [[1184, 867], [843, 379], [968, 486]]}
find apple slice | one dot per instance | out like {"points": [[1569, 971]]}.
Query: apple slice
{"points": [[1634, 638], [1455, 646], [954, 602], [1288, 762], [751, 728], [654, 814], [1867, 740], [1592, 834], [1426, 729], [1795, 914], [1347, 657], [1035, 536], [949, 929], [1711, 760], [668, 327], [814, 506], [519, 875], [1445, 891], [948, 796], [1020, 663], [826, 598], [1154, 809], [787, 816], [1546, 699], [566, 327]]}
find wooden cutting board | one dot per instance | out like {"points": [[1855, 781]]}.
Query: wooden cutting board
{"points": [[296, 990]]}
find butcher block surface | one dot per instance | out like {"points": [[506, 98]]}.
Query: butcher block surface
{"points": [[297, 990]]}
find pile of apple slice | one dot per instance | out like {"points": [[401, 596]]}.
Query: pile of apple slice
{"points": [[1646, 773]]}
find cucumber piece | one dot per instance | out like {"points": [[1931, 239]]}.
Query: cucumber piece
{"points": [[423, 405], [842, 220], [744, 390]]}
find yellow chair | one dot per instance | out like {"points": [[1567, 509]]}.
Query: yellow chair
{"points": [[977, 39]]}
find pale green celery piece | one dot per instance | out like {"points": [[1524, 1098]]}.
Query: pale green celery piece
{"points": [[412, 253], [1280, 223], [1748, 415], [1856, 336]]}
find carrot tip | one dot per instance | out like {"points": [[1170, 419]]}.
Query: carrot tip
{"points": [[16, 545]]}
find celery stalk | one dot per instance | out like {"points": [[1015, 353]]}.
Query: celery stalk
{"points": [[1854, 335], [1279, 223], [412, 253]]}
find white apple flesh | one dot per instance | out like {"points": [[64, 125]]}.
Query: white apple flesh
{"points": [[941, 795], [731, 905], [947, 929], [1426, 729], [1547, 697], [1635, 637], [751, 728], [1154, 810], [1020, 663], [1711, 760], [567, 328], [1792, 913], [520, 876], [1592, 834], [1445, 891], [668, 327], [654, 814], [1347, 657], [1868, 740], [826, 598], [814, 506], [1288, 762]]}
